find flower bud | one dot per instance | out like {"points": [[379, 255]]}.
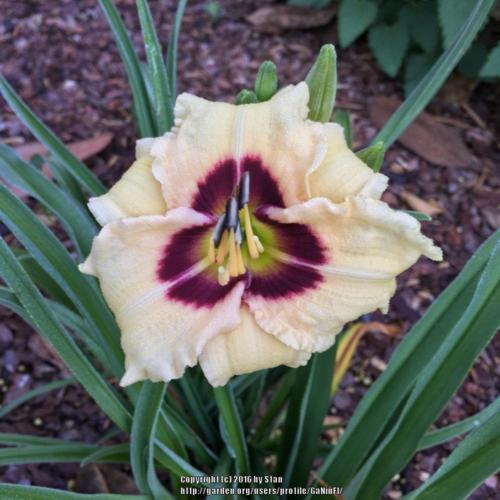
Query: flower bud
{"points": [[373, 155], [322, 82], [266, 83], [246, 97]]}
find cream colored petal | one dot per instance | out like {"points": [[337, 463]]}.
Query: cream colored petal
{"points": [[246, 349], [341, 173], [160, 336], [136, 193], [367, 244], [207, 132]]}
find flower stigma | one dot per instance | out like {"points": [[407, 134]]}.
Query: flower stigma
{"points": [[232, 231]]}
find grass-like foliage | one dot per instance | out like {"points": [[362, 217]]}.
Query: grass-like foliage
{"points": [[190, 429]]}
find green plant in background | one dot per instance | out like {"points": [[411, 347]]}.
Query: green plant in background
{"points": [[191, 429], [414, 33]]}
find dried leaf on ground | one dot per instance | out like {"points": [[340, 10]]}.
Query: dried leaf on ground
{"points": [[431, 140], [81, 149], [416, 203], [275, 19]]}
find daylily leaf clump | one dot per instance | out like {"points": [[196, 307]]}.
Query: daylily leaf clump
{"points": [[245, 238]]}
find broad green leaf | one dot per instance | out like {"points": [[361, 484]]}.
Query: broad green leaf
{"points": [[53, 257], [19, 492], [132, 67], [142, 439], [355, 16], [475, 459], [163, 109], [440, 378], [452, 16], [172, 47], [432, 82], [309, 403], [343, 118], [417, 65], [389, 44], [75, 220], [48, 326], [234, 432], [53, 144], [373, 155], [266, 82], [444, 434], [473, 60], [422, 22], [33, 393], [491, 68], [413, 354], [322, 83]]}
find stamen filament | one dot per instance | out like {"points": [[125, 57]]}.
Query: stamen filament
{"points": [[233, 259], [223, 248], [241, 264], [252, 248], [211, 251]]}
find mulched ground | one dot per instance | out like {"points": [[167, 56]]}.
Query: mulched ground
{"points": [[59, 55]]}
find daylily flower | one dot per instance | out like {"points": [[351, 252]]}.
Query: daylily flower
{"points": [[245, 238]]}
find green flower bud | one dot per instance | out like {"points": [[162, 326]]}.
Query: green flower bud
{"points": [[322, 82], [266, 83], [246, 97], [373, 155]]}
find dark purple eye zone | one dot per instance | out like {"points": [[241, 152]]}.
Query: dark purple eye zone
{"points": [[197, 284]]}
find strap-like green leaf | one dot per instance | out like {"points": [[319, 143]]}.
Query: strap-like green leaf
{"points": [[172, 47], [10, 439], [475, 459], [436, 384], [445, 434], [33, 393], [142, 439], [132, 67], [163, 110], [75, 220], [74, 166], [115, 453], [195, 407], [19, 492], [429, 85], [234, 435], [48, 326], [308, 406], [51, 254], [411, 357]]}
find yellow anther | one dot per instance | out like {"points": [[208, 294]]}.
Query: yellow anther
{"points": [[222, 248], [211, 251], [223, 275], [252, 247], [233, 259], [241, 264], [258, 244]]}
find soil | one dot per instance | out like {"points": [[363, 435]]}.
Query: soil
{"points": [[60, 56]]}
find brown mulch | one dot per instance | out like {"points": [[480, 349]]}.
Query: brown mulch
{"points": [[60, 57]]}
